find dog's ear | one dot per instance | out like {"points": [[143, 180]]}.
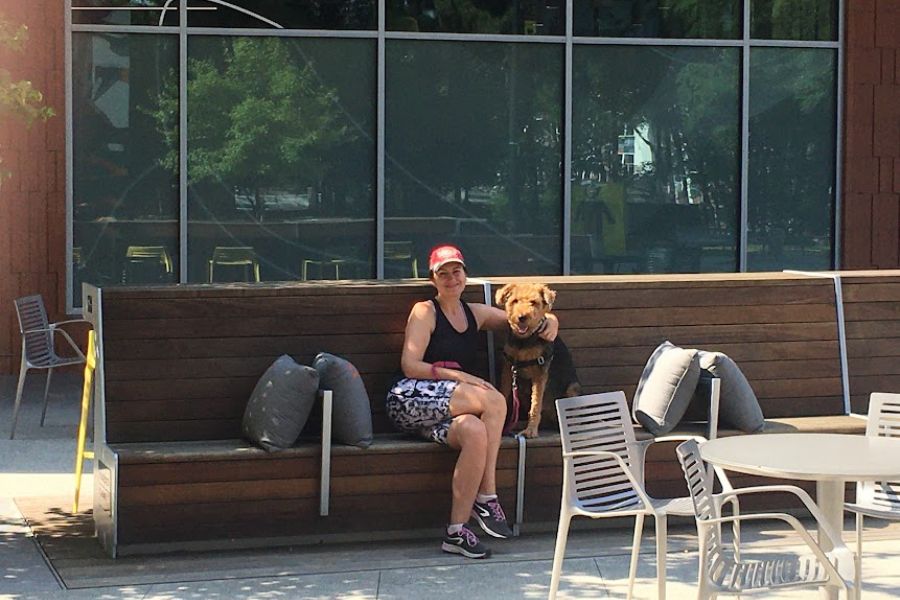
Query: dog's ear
{"points": [[549, 296], [503, 294]]}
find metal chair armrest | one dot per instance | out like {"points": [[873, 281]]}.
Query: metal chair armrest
{"points": [[72, 343], [673, 438], [68, 322], [804, 497], [639, 488]]}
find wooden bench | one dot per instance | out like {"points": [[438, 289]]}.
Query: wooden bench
{"points": [[177, 364]]}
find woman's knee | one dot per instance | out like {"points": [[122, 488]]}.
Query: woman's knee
{"points": [[468, 430], [495, 403]]}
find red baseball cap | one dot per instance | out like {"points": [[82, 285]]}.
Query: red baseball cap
{"points": [[441, 255]]}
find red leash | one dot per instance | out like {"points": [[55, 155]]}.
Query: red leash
{"points": [[513, 417]]}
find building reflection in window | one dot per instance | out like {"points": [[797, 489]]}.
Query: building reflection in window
{"points": [[123, 198], [655, 159]]}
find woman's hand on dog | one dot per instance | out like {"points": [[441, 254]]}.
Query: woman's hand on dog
{"points": [[551, 330], [476, 381]]}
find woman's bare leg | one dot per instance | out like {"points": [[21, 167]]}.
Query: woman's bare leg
{"points": [[467, 433], [490, 406]]}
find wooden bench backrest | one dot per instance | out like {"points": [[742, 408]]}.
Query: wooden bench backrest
{"points": [[781, 329], [181, 362], [872, 316]]}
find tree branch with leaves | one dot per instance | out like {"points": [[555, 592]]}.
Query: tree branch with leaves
{"points": [[19, 100]]}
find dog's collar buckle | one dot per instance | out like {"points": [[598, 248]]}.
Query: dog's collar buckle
{"points": [[540, 360]]}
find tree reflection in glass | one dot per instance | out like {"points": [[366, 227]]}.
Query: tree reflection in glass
{"points": [[792, 155], [704, 19], [793, 19], [473, 152], [655, 159], [280, 154]]}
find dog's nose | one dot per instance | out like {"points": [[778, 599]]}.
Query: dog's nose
{"points": [[522, 318]]}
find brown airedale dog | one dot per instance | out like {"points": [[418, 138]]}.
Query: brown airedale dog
{"points": [[547, 365]]}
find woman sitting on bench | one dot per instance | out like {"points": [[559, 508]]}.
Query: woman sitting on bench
{"points": [[439, 398]]}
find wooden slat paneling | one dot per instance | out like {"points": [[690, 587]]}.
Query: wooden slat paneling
{"points": [[872, 313]]}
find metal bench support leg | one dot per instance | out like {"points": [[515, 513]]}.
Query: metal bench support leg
{"points": [[325, 484], [520, 486]]}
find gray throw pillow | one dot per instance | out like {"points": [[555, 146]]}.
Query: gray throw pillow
{"points": [[666, 388], [738, 405], [280, 404], [351, 412]]}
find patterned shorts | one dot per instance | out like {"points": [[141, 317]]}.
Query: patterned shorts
{"points": [[422, 406]]}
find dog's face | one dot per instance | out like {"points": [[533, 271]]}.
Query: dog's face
{"points": [[525, 305]]}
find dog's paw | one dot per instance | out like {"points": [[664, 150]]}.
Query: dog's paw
{"points": [[530, 432]]}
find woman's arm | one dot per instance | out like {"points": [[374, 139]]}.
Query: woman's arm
{"points": [[493, 318], [489, 317], [419, 327]]}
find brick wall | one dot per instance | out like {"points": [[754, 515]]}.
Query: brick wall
{"points": [[32, 202], [871, 217]]}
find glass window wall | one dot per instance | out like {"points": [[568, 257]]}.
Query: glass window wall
{"points": [[655, 161], [709, 19], [792, 158], [473, 149], [281, 157], [807, 20], [125, 198], [290, 173], [522, 17], [125, 12], [287, 14]]}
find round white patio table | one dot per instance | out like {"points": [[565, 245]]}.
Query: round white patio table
{"points": [[829, 459]]}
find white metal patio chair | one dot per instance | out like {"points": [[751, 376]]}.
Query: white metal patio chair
{"points": [[603, 476], [879, 499], [720, 572], [38, 348]]}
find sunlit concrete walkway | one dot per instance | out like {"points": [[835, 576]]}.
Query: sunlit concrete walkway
{"points": [[40, 463]]}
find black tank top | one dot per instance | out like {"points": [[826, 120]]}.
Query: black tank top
{"points": [[448, 344]]}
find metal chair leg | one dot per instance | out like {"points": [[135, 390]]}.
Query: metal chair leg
{"points": [[661, 550], [635, 551], [23, 370], [559, 552], [46, 395]]}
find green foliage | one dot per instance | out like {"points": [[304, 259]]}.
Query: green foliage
{"points": [[18, 99], [257, 117]]}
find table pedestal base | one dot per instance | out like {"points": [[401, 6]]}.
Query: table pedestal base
{"points": [[830, 499]]}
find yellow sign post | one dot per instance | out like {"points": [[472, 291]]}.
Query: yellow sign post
{"points": [[80, 453]]}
